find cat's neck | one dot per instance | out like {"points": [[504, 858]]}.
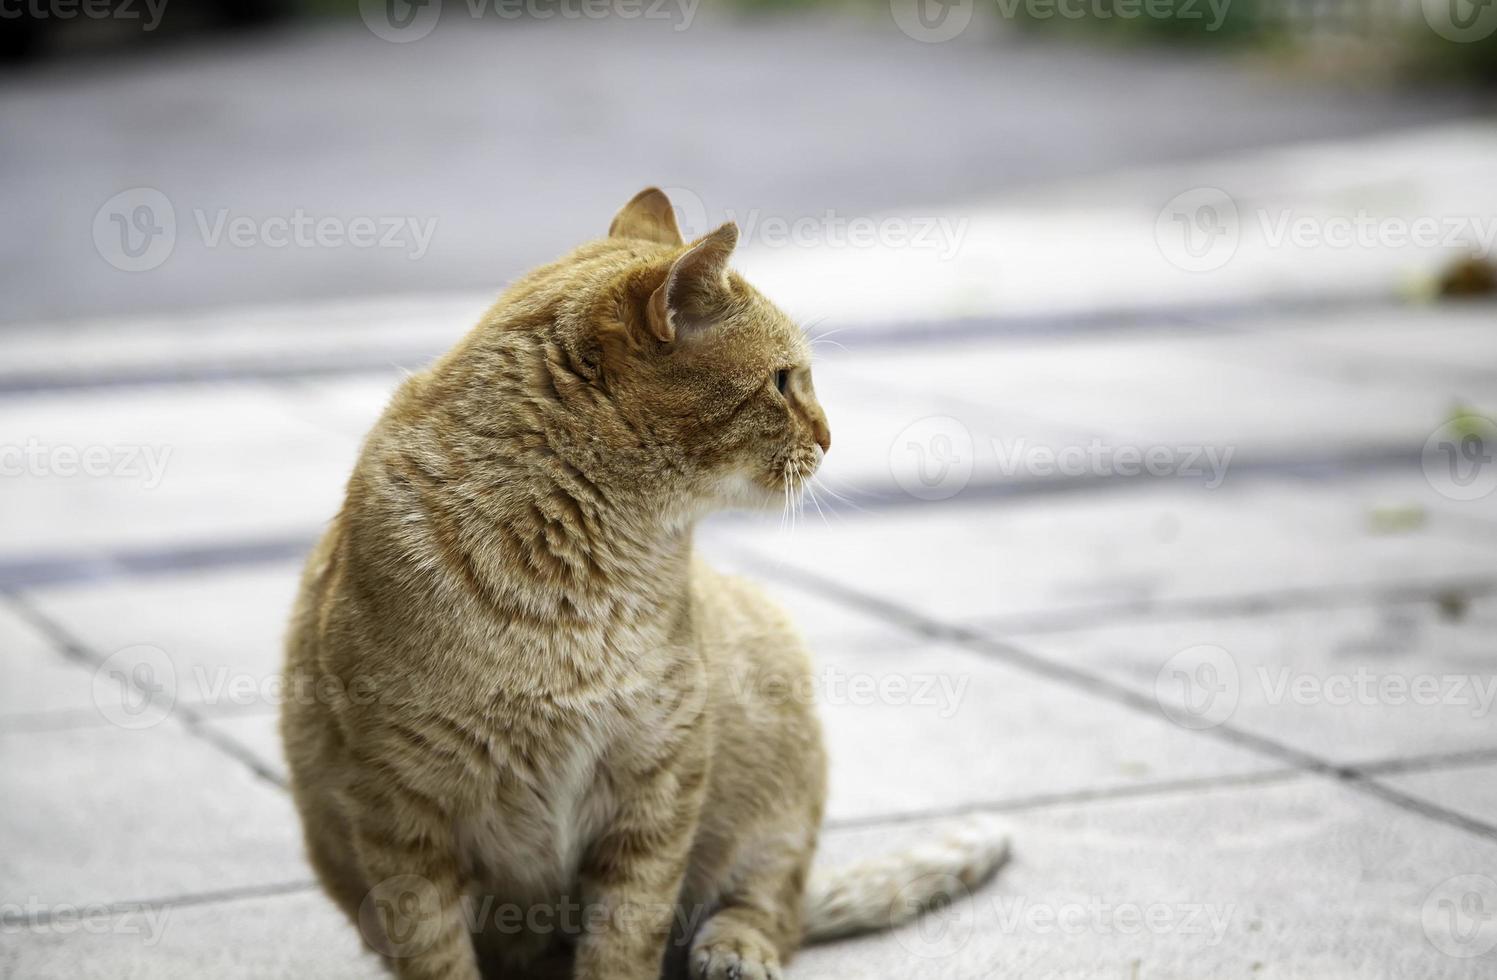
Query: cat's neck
{"points": [[514, 503]]}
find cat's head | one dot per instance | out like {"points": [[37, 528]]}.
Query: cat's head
{"points": [[701, 364]]}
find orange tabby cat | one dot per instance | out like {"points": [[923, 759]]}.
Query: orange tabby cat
{"points": [[548, 741]]}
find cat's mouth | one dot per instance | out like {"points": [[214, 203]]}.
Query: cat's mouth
{"points": [[797, 468], [780, 483]]}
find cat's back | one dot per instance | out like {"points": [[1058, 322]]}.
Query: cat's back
{"points": [[739, 624]]}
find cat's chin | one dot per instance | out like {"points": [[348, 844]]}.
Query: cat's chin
{"points": [[740, 491]]}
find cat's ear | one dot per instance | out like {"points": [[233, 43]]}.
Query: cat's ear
{"points": [[649, 216], [694, 288]]}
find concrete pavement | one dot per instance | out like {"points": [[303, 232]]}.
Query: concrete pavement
{"points": [[1200, 603]]}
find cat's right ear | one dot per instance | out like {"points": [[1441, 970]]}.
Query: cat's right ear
{"points": [[649, 216], [694, 287]]}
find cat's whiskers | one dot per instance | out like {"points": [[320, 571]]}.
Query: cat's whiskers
{"points": [[785, 510], [834, 494], [800, 491], [825, 338], [811, 490]]}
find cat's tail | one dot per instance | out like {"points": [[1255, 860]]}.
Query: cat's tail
{"points": [[887, 891]]}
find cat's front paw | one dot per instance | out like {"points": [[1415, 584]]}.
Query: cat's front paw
{"points": [[736, 954]]}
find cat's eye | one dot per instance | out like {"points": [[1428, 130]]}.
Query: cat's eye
{"points": [[781, 379]]}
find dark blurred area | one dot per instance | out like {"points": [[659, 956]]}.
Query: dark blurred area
{"points": [[1380, 37]]}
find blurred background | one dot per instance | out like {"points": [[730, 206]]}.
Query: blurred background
{"points": [[1159, 350]]}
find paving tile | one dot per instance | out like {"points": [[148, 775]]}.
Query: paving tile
{"points": [[44, 689], [923, 728], [292, 935], [1451, 341], [169, 466], [258, 733], [1352, 684], [220, 632], [933, 729], [1298, 879], [114, 815], [1095, 243], [261, 335], [224, 637], [884, 435], [1168, 390], [823, 623], [1129, 548], [1392, 498], [1467, 789], [1305, 879]]}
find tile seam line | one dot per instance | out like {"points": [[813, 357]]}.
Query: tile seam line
{"points": [[1103, 687], [974, 639], [1239, 604], [40, 570], [1396, 765], [1160, 790], [896, 335], [188, 900], [193, 722]]}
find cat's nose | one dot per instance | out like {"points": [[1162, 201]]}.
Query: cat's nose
{"points": [[822, 433]]}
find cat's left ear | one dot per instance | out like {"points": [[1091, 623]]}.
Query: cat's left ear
{"points": [[694, 288], [649, 216]]}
